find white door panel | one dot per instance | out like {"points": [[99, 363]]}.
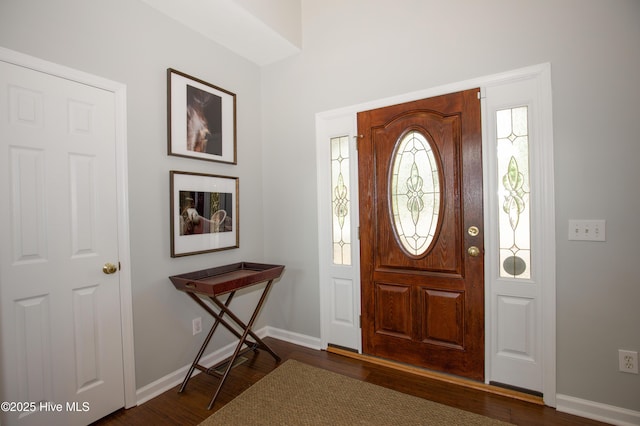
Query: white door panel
{"points": [[61, 330], [517, 348]]}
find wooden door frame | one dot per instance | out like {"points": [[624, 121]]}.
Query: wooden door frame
{"points": [[120, 94], [547, 219]]}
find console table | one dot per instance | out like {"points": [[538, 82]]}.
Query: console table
{"points": [[226, 280]]}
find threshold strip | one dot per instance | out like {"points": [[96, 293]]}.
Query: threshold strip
{"points": [[510, 393]]}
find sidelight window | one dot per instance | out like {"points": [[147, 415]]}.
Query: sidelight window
{"points": [[340, 184], [514, 212]]}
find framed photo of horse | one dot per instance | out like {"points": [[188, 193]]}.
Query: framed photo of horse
{"points": [[201, 119], [204, 213]]}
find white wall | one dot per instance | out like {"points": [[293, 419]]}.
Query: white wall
{"points": [[361, 50], [282, 16], [129, 42]]}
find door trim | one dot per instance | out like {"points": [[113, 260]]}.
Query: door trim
{"points": [[120, 93], [546, 220]]}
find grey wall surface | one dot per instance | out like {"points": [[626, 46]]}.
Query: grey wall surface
{"points": [[362, 50]]}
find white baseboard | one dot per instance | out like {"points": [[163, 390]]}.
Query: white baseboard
{"points": [[172, 380], [295, 338], [597, 411]]}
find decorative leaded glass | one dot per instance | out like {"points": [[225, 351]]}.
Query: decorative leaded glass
{"points": [[341, 217], [414, 192], [514, 212]]}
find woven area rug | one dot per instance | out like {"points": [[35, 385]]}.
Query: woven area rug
{"points": [[298, 394]]}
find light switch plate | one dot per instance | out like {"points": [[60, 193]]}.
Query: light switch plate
{"points": [[587, 230]]}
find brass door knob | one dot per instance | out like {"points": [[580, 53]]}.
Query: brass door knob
{"points": [[109, 268], [473, 251]]}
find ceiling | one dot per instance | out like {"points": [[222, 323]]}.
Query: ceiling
{"points": [[234, 25]]}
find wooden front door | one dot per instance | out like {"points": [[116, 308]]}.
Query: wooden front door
{"points": [[422, 263]]}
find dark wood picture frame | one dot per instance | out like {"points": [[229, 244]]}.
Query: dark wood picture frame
{"points": [[201, 119], [204, 213]]}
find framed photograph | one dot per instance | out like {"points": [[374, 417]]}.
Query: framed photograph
{"points": [[204, 213], [201, 119]]}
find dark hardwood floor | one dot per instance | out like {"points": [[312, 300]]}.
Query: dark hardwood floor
{"points": [[190, 407]]}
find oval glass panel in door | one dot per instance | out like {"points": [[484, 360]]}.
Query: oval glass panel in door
{"points": [[414, 193]]}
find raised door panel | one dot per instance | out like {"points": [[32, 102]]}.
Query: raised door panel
{"points": [[342, 302], [443, 318], [393, 310], [442, 133]]}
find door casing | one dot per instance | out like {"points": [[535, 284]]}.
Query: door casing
{"points": [[543, 166], [119, 91]]}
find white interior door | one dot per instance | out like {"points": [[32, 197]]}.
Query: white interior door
{"points": [[61, 341]]}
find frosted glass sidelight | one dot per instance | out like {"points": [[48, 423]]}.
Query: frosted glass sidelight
{"points": [[514, 212], [341, 217], [414, 193]]}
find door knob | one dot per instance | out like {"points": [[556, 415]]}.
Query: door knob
{"points": [[473, 251], [109, 268]]}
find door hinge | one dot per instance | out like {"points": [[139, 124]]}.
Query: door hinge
{"points": [[360, 321], [358, 233]]}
